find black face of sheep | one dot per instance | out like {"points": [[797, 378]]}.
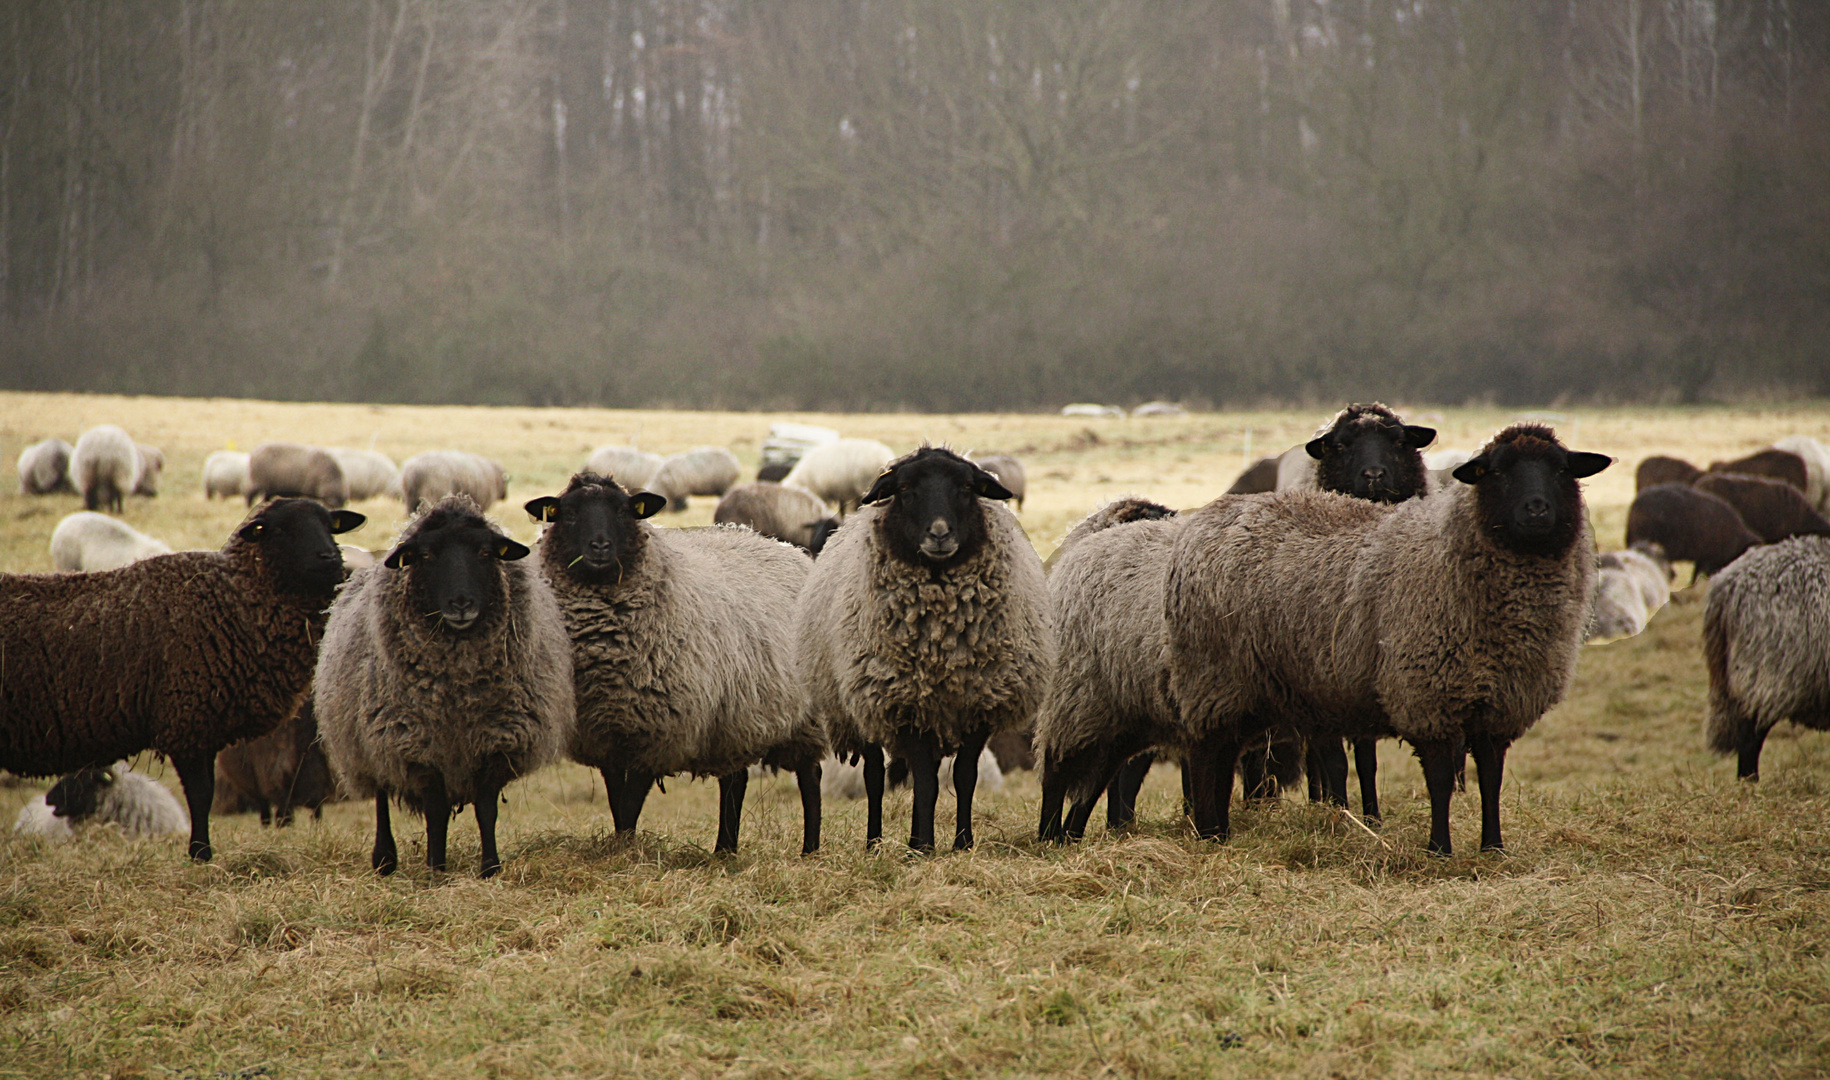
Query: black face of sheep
{"points": [[1370, 454], [296, 535], [1527, 490], [79, 795], [592, 526], [822, 532], [452, 555], [934, 517]]}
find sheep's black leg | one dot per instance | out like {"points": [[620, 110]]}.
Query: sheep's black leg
{"points": [[1749, 738], [965, 782], [1188, 791], [1312, 768], [266, 813], [873, 795], [1439, 759], [807, 776], [924, 775], [1366, 763], [1490, 766], [438, 820], [731, 787], [385, 858], [1054, 792], [1329, 758], [198, 775], [1254, 776], [1121, 793], [489, 801], [1109, 779], [614, 782], [1210, 764], [636, 785]]}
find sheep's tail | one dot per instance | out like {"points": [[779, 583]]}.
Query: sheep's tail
{"points": [[1723, 719]]}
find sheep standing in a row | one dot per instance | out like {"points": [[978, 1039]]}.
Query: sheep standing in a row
{"points": [[44, 468], [924, 628], [105, 467], [293, 470], [445, 673], [1766, 644], [839, 472], [703, 470], [90, 541], [182, 653], [1630, 587], [1446, 621], [1690, 525], [113, 795], [683, 651], [1771, 509], [225, 474], [784, 513], [626, 465], [426, 478]]}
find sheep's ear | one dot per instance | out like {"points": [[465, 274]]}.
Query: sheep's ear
{"points": [[342, 521], [1471, 470], [1582, 463], [647, 504], [987, 486], [1316, 448], [884, 487], [399, 557], [545, 508], [1418, 437], [508, 550]]}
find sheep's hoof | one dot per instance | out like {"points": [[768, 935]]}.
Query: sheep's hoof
{"points": [[201, 852], [384, 862], [1438, 852], [490, 870], [1495, 849]]}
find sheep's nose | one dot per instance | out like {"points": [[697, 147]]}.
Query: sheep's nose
{"points": [[1536, 508], [940, 528], [599, 547], [1373, 472]]}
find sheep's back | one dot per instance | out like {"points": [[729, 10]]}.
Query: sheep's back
{"points": [[1768, 619]]}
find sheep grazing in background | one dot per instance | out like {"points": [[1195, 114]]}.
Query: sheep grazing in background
{"points": [[445, 673], [292, 470], [90, 541], [1449, 621], [1630, 587], [1691, 525], [44, 468], [1781, 465], [104, 466], [277, 773], [924, 629], [1658, 469], [682, 651], [225, 474], [426, 478], [182, 653], [1260, 477], [1766, 634], [1816, 457], [369, 474], [626, 465], [146, 477], [1439, 465], [1013, 749], [783, 513], [840, 472], [774, 472], [1771, 509], [703, 470], [135, 803], [1009, 472], [845, 779]]}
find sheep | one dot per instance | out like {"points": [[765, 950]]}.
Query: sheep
{"points": [[104, 466], [1659, 469], [839, 472], [1124, 509], [1771, 509], [137, 804], [703, 470], [225, 474], [1781, 465], [682, 651], [1690, 525], [445, 673], [277, 772], [368, 473], [773, 472], [90, 541], [845, 779], [1260, 477], [1438, 464], [152, 463], [626, 465], [183, 653], [1816, 457], [1630, 587], [1450, 619], [1158, 408], [44, 468], [1009, 472], [1766, 632], [426, 478], [783, 513], [293, 470], [924, 628]]}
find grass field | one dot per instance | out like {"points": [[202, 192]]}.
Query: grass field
{"points": [[1652, 917]]}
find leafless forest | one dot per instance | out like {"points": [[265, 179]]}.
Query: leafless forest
{"points": [[871, 203]]}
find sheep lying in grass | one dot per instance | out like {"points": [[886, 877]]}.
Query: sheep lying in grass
{"points": [[1448, 621], [137, 804], [90, 541], [445, 673], [1630, 587], [924, 628], [44, 468]]}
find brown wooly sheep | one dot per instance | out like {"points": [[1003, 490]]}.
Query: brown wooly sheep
{"points": [[284, 469], [1772, 509], [277, 772], [774, 510], [1446, 621], [1659, 469], [1691, 525], [182, 653], [1782, 465], [1261, 477]]}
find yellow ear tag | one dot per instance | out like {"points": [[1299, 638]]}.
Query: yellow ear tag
{"points": [[502, 552]]}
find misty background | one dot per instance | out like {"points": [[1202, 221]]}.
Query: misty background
{"points": [[857, 204]]}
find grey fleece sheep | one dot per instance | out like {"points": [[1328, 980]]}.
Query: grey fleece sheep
{"points": [[135, 803], [839, 472], [1009, 472], [44, 467], [1630, 587], [626, 465], [1766, 644], [703, 470], [285, 469], [445, 673], [924, 628], [104, 466], [683, 651], [426, 478], [1450, 619], [368, 473], [225, 474], [87, 540], [774, 510]]}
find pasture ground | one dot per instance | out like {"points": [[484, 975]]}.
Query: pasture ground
{"points": [[1652, 917]]}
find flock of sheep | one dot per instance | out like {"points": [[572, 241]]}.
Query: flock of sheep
{"points": [[858, 609]]}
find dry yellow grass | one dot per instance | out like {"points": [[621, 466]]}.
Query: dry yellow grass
{"points": [[1654, 917]]}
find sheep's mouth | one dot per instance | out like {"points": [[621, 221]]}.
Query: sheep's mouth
{"points": [[939, 550], [459, 622]]}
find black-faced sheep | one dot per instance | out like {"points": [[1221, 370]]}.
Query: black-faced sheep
{"points": [[44, 468], [1771, 509], [1260, 477], [783, 513], [683, 651], [1690, 525], [924, 628], [182, 653], [426, 478], [839, 472], [87, 540], [1766, 635], [1447, 621], [367, 473], [626, 465], [136, 804], [225, 474], [1009, 472], [1781, 465], [293, 470], [703, 470], [104, 466], [446, 672], [276, 773], [1659, 469]]}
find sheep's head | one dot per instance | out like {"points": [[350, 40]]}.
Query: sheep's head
{"points": [[822, 532], [1526, 483], [294, 537], [452, 558], [592, 531], [934, 517], [1369, 453], [78, 795]]}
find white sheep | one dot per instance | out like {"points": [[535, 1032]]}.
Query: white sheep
{"points": [[839, 472], [105, 467], [89, 541], [135, 803], [369, 473], [626, 465], [703, 470], [44, 467], [225, 474]]}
